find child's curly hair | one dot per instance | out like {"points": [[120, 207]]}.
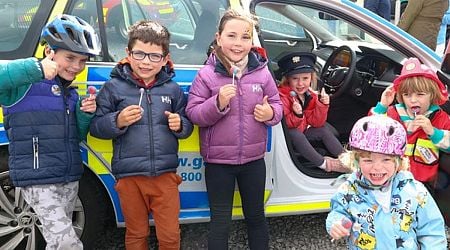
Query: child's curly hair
{"points": [[149, 32]]}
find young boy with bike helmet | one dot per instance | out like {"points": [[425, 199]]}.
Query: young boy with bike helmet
{"points": [[45, 120]]}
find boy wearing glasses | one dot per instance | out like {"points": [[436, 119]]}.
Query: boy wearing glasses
{"points": [[143, 111]]}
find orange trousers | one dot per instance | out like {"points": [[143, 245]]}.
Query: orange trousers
{"points": [[141, 195]]}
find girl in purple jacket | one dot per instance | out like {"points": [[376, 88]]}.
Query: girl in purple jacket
{"points": [[233, 100]]}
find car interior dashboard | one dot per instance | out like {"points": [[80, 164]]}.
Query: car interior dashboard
{"points": [[381, 67]]}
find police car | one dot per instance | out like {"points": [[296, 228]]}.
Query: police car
{"points": [[368, 50]]}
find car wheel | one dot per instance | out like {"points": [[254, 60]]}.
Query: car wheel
{"points": [[19, 226], [121, 29], [94, 211], [115, 20]]}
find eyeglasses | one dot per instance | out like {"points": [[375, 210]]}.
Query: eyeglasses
{"points": [[140, 55]]}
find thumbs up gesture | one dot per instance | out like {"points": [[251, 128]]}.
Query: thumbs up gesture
{"points": [[49, 67], [324, 97], [263, 112], [173, 120]]}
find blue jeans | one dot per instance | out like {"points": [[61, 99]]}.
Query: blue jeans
{"points": [[380, 7], [220, 182]]}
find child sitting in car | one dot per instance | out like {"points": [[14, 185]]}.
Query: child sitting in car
{"points": [[419, 92], [305, 111]]}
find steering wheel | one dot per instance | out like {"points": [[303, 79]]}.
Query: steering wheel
{"points": [[338, 71]]}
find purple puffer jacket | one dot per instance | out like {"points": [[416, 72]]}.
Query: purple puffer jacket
{"points": [[233, 136]]}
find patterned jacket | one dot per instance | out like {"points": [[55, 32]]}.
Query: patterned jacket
{"points": [[412, 221]]}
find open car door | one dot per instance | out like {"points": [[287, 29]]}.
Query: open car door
{"points": [[441, 190]]}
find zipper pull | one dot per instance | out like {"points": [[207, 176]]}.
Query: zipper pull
{"points": [[35, 152], [149, 98]]}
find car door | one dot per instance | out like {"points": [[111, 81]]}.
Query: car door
{"points": [[379, 48]]}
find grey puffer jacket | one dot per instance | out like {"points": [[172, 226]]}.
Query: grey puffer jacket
{"points": [[147, 147]]}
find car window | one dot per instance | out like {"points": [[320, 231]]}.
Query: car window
{"points": [[273, 23], [297, 28], [192, 25], [15, 20], [87, 10]]}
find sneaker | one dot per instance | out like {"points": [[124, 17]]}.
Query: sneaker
{"points": [[335, 165]]}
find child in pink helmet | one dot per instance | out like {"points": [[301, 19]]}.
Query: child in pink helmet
{"points": [[419, 92], [380, 205]]}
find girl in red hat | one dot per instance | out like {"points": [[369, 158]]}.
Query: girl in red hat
{"points": [[419, 92]]}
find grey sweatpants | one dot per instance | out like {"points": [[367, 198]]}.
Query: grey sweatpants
{"points": [[54, 205]]}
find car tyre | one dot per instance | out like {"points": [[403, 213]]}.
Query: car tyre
{"points": [[95, 211], [19, 226]]}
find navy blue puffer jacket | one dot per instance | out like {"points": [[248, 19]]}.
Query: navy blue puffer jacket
{"points": [[147, 147]]}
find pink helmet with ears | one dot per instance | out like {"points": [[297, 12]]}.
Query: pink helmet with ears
{"points": [[379, 134]]}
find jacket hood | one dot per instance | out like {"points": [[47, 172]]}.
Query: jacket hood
{"points": [[123, 70], [256, 58]]}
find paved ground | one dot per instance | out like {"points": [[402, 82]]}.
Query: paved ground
{"points": [[289, 232]]}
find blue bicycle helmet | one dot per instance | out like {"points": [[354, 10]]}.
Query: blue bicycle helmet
{"points": [[71, 33]]}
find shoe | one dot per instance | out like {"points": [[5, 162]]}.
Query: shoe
{"points": [[335, 165]]}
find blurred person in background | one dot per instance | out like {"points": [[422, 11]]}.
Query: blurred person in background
{"points": [[422, 20], [379, 7], [442, 35]]}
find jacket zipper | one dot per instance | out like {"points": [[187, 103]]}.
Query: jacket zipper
{"points": [[66, 132], [152, 149], [241, 117], [35, 152]]}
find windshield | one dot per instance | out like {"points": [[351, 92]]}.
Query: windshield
{"points": [[295, 22]]}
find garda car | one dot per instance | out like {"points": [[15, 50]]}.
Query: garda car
{"points": [[359, 54]]}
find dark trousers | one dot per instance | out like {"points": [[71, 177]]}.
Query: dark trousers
{"points": [[302, 145], [220, 183]]}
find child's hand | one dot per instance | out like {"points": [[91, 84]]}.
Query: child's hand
{"points": [[423, 122], [340, 229], [388, 96], [263, 112], [88, 105], [49, 67], [174, 121], [226, 92], [128, 116], [324, 97], [297, 108]]}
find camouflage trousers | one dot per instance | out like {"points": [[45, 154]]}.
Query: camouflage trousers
{"points": [[54, 205]]}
